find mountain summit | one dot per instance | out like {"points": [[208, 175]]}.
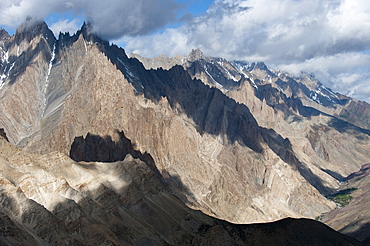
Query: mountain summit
{"points": [[106, 151]]}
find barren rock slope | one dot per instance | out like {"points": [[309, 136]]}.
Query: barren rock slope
{"points": [[53, 200], [214, 150]]}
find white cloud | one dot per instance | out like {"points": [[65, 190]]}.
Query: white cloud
{"points": [[353, 84], [65, 25], [110, 18], [347, 73], [14, 13], [326, 37]]}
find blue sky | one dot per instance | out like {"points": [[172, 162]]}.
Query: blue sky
{"points": [[329, 38], [196, 7]]}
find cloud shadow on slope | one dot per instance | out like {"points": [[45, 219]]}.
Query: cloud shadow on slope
{"points": [[94, 148]]}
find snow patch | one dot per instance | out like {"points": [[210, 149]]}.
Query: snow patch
{"points": [[320, 92], [5, 58], [241, 69], [11, 67], [314, 97], [183, 61], [253, 83], [49, 68], [2, 80], [47, 78], [329, 91], [5, 75], [268, 77], [253, 67], [214, 81], [131, 76], [221, 63], [85, 46]]}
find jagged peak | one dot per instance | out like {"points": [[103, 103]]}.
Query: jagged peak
{"points": [[4, 34], [85, 26], [310, 76], [32, 25], [66, 39], [32, 28], [84, 30], [261, 65], [196, 54]]}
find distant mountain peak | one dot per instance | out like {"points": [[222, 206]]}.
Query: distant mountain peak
{"points": [[31, 29], [31, 25], [195, 54], [4, 34], [261, 65], [161, 61]]}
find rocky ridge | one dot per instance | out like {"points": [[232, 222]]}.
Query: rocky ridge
{"points": [[321, 125], [212, 149], [161, 61]]}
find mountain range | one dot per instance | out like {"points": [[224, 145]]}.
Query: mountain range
{"points": [[100, 148]]}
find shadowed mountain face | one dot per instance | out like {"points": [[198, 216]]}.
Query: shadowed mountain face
{"points": [[353, 218], [295, 107], [211, 110], [96, 148], [304, 95], [220, 137]]}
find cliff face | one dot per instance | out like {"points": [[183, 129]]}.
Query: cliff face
{"points": [[208, 144]]}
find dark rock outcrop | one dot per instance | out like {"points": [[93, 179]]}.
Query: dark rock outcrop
{"points": [[3, 134]]}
